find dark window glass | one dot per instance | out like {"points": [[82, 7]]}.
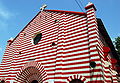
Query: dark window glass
{"points": [[76, 81], [53, 44], [37, 38], [34, 81], [20, 53], [24, 34], [2, 81], [31, 59]]}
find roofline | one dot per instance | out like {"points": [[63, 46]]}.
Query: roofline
{"points": [[104, 33], [62, 11], [69, 12], [25, 26]]}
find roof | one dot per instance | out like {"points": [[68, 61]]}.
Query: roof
{"points": [[104, 33], [61, 11], [69, 12]]}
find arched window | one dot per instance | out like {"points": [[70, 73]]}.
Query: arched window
{"points": [[37, 38], [76, 81]]}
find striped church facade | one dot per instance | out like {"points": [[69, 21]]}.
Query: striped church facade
{"points": [[73, 47]]}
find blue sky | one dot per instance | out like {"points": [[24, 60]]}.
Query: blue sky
{"points": [[15, 14]]}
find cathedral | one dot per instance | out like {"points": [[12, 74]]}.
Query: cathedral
{"points": [[59, 46]]}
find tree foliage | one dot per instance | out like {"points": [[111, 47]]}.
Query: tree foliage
{"points": [[117, 45]]}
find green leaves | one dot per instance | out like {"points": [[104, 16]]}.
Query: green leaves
{"points": [[117, 45]]}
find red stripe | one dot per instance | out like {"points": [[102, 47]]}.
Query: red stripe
{"points": [[71, 12]]}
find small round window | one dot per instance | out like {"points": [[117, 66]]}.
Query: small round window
{"points": [[37, 38]]}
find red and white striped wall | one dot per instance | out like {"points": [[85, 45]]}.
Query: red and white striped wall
{"points": [[77, 43]]}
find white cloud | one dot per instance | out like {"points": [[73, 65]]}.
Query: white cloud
{"points": [[5, 16], [0, 49], [4, 13]]}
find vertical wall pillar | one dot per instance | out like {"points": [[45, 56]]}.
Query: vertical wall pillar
{"points": [[96, 72], [60, 51]]}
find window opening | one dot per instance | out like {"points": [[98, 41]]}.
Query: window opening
{"points": [[76, 81], [34, 81], [53, 44], [31, 59], [37, 38], [20, 53], [24, 34], [93, 64], [56, 21]]}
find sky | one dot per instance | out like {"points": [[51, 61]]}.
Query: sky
{"points": [[15, 14]]}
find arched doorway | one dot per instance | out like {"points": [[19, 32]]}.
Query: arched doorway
{"points": [[32, 72], [2, 81], [34, 81], [76, 81], [31, 75]]}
